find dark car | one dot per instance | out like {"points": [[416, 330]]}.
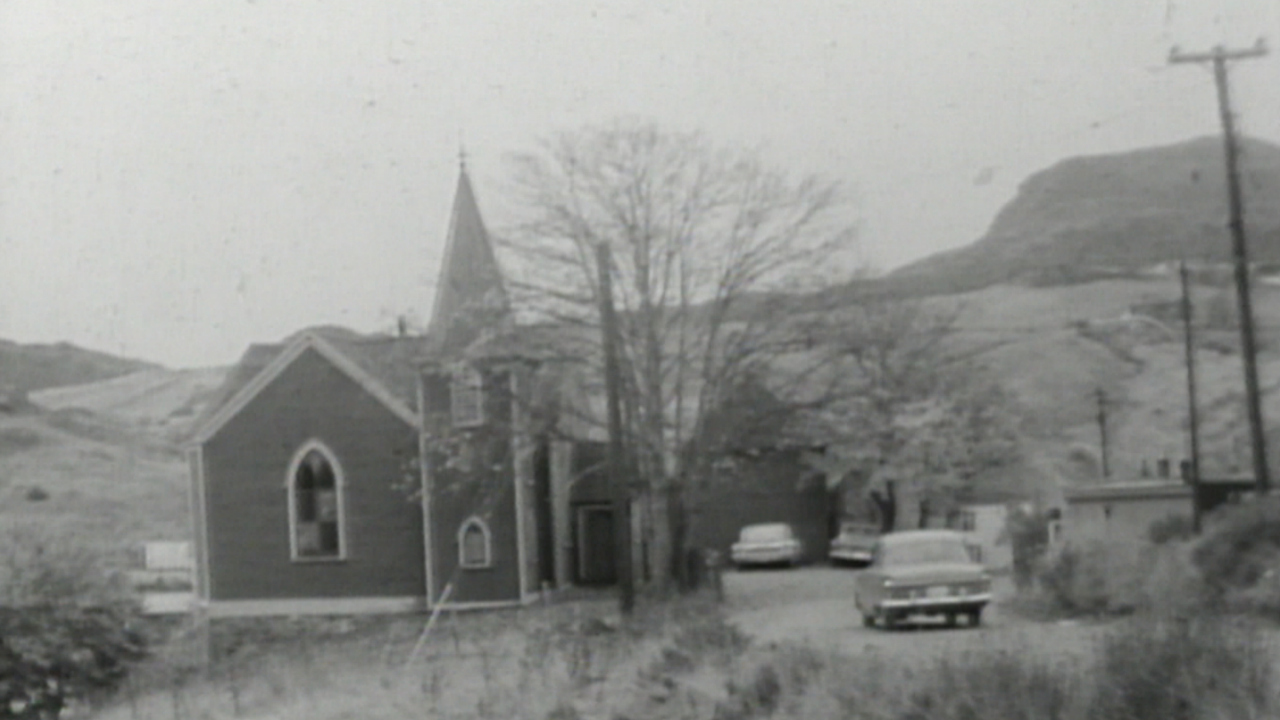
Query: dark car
{"points": [[855, 543], [922, 572]]}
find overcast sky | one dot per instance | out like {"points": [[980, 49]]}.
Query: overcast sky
{"points": [[179, 179]]}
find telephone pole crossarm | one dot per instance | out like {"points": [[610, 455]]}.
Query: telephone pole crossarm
{"points": [[1217, 54]]}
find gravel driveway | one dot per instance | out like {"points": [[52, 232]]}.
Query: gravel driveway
{"points": [[814, 605]]}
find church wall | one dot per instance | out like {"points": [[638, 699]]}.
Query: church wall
{"points": [[245, 466]]}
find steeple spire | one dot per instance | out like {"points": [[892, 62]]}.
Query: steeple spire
{"points": [[470, 290]]}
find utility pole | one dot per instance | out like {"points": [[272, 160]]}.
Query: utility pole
{"points": [[1101, 396], [1193, 420], [618, 466], [1219, 57]]}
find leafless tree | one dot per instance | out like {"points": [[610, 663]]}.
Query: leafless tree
{"points": [[711, 247]]}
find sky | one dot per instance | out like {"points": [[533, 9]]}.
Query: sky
{"points": [[180, 179]]}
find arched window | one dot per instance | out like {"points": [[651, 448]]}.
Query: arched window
{"points": [[475, 546], [316, 508], [466, 397]]}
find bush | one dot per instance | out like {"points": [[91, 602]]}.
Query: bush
{"points": [[1173, 527], [1093, 578], [39, 566], [1029, 537], [65, 623], [991, 684], [1184, 671], [1241, 544]]}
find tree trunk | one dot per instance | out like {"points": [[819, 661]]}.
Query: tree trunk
{"points": [[887, 504], [660, 552], [679, 523], [924, 514]]}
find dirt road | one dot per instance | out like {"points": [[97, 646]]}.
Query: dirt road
{"points": [[815, 605]]}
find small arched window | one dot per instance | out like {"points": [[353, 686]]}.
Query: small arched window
{"points": [[316, 509], [475, 546]]}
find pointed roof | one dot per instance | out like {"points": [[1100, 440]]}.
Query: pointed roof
{"points": [[470, 279], [383, 366]]}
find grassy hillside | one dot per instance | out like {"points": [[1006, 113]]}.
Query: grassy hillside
{"points": [[164, 401], [1055, 347], [96, 452], [100, 480]]}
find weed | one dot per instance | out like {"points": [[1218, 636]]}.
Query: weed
{"points": [[1171, 528], [1184, 670], [1240, 545]]}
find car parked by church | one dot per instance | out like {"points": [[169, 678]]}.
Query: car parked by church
{"points": [[854, 544], [766, 544]]}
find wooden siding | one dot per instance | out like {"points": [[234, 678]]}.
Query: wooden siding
{"points": [[245, 495], [483, 485]]}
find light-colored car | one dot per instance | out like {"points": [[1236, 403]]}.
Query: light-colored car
{"points": [[922, 572], [766, 544], [855, 543]]}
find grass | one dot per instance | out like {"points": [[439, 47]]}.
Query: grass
{"points": [[681, 659]]}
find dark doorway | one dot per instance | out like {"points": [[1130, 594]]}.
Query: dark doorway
{"points": [[542, 510], [596, 564]]}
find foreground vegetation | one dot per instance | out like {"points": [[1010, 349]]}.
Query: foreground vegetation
{"points": [[681, 659], [1192, 636]]}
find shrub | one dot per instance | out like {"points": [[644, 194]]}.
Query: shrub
{"points": [[1029, 536], [1173, 527], [65, 622], [1084, 580], [1240, 545], [1184, 670], [1100, 578], [36, 493], [991, 684]]}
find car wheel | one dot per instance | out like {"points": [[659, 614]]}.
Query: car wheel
{"points": [[868, 621], [890, 620], [975, 617], [952, 619]]}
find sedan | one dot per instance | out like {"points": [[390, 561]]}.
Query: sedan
{"points": [[766, 544], [855, 543], [922, 572]]}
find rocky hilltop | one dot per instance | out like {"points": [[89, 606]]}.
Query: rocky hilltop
{"points": [[1101, 216]]}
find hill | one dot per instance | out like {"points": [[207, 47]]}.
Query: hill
{"points": [[1113, 215], [155, 399], [27, 368]]}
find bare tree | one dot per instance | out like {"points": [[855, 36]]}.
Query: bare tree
{"points": [[711, 246]]}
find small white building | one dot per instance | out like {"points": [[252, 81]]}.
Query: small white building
{"points": [[1121, 513], [984, 526], [168, 556]]}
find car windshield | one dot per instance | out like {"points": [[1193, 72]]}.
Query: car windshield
{"points": [[926, 551], [765, 533]]}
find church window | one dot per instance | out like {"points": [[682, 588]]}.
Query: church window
{"points": [[475, 546], [315, 485], [466, 397]]}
